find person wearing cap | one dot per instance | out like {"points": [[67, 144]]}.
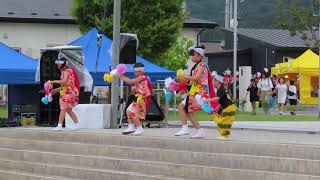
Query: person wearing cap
{"points": [[136, 111], [225, 115], [69, 93], [198, 81]]}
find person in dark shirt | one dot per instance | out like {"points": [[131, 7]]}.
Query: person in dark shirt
{"points": [[272, 101], [253, 90], [226, 114], [224, 101]]}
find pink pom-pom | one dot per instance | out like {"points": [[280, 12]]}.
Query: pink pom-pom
{"points": [[174, 86], [121, 68], [47, 87]]}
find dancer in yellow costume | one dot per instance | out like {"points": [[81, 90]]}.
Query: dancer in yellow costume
{"points": [[226, 113]]}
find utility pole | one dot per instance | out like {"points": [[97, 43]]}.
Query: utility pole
{"points": [[316, 13], [231, 16], [115, 62], [235, 43], [319, 66], [184, 6], [227, 15]]}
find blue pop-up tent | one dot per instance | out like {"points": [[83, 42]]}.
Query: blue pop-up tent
{"points": [[16, 68], [90, 49]]}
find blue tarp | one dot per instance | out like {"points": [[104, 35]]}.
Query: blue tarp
{"points": [[90, 49], [16, 68]]}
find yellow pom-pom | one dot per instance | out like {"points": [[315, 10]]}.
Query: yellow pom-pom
{"points": [[139, 99], [107, 77], [180, 73], [195, 88], [63, 90]]}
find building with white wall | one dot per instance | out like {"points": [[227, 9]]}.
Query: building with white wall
{"points": [[29, 25], [29, 38]]}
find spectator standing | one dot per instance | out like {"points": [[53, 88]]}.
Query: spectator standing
{"points": [[265, 91], [272, 102], [281, 90], [292, 96], [253, 90]]}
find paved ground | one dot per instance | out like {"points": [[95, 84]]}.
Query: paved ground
{"points": [[259, 136], [315, 113], [302, 126]]}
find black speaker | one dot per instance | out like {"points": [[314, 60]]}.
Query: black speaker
{"points": [[84, 97], [49, 114], [48, 69], [128, 49], [154, 112]]}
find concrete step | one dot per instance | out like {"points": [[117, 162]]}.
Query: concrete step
{"points": [[105, 174], [88, 155], [24, 149], [76, 171], [299, 151], [16, 175]]}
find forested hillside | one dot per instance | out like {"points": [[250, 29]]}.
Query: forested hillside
{"points": [[252, 13]]}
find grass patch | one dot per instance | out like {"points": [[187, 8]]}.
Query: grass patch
{"points": [[246, 116], [3, 112], [298, 108]]}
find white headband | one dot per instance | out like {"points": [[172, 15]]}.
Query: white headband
{"points": [[138, 69], [199, 50], [217, 77], [60, 62], [192, 47]]}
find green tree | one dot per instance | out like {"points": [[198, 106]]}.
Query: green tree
{"points": [[298, 17], [157, 23], [176, 56]]}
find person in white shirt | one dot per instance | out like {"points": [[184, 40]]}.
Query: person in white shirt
{"points": [[292, 96], [281, 90], [265, 91]]}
